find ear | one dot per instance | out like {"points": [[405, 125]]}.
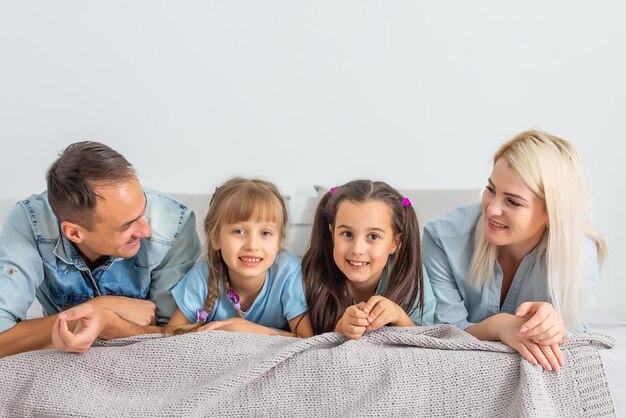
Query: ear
{"points": [[332, 232], [397, 243], [73, 232], [215, 243]]}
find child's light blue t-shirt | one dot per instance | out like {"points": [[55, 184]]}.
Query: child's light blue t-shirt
{"points": [[280, 300]]}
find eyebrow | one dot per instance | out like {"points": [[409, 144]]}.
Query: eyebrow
{"points": [[369, 229], [507, 193], [142, 212]]}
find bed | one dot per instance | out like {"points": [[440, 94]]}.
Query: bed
{"points": [[428, 371]]}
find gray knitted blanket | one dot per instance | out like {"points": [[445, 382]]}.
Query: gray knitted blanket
{"points": [[417, 371]]}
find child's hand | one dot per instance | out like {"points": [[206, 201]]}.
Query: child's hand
{"points": [[231, 322], [545, 326], [354, 321], [381, 311]]}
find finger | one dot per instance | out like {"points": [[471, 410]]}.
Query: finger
{"points": [[381, 320], [371, 303], [66, 336], [546, 329], [377, 311], [538, 354], [360, 322], [77, 312], [539, 316], [524, 309], [521, 348], [361, 305], [559, 354], [551, 357], [355, 312], [213, 325]]}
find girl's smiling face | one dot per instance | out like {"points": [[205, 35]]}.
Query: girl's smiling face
{"points": [[248, 249], [363, 239]]}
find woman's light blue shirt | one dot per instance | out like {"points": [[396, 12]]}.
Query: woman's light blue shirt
{"points": [[448, 246], [281, 299]]}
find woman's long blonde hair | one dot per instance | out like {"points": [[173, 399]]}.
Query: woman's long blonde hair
{"points": [[237, 200], [552, 169]]}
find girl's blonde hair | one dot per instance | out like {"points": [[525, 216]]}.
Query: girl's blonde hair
{"points": [[552, 169], [237, 200]]}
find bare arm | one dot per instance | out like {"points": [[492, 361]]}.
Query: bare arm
{"points": [[28, 335], [92, 323]]}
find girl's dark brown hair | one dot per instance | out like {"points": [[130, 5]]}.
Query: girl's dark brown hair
{"points": [[327, 292]]}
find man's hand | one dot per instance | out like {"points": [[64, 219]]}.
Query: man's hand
{"points": [[141, 312], [91, 322]]}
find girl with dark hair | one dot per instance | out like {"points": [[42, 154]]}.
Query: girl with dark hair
{"points": [[247, 283], [363, 267]]}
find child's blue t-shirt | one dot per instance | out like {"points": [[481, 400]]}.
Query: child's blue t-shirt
{"points": [[280, 300]]}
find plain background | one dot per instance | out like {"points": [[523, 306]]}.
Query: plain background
{"points": [[417, 93]]}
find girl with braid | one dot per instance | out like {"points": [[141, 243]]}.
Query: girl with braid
{"points": [[247, 283], [363, 268]]}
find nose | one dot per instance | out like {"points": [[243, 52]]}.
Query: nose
{"points": [[143, 228], [494, 208], [252, 243], [358, 246]]}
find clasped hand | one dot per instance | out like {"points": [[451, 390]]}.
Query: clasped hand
{"points": [[377, 312]]}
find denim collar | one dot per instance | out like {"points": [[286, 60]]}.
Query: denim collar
{"points": [[66, 252]]}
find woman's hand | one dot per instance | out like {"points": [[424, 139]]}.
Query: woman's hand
{"points": [[354, 321], [548, 355], [381, 311], [544, 326]]}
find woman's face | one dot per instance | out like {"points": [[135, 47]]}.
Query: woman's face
{"points": [[514, 217]]}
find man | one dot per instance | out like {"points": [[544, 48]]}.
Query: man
{"points": [[97, 244]]}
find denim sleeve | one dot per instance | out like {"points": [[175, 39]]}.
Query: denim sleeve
{"points": [[21, 268], [179, 259], [292, 297], [450, 307]]}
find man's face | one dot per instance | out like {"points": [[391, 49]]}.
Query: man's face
{"points": [[119, 222]]}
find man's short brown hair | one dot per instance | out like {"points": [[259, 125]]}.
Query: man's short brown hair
{"points": [[72, 178]]}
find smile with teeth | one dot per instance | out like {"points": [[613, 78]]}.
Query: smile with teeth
{"points": [[358, 263], [496, 224], [250, 259]]}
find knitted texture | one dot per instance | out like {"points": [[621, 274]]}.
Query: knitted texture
{"points": [[416, 371]]}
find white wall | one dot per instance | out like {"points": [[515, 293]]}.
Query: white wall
{"points": [[418, 93]]}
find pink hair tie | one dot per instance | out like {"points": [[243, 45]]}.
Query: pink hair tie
{"points": [[406, 202], [332, 190]]}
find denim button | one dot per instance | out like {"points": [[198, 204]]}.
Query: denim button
{"points": [[65, 305], [10, 271]]}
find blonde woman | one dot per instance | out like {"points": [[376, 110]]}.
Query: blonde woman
{"points": [[516, 268]]}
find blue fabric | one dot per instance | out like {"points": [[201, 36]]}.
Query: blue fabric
{"points": [[280, 300], [448, 246], [36, 260], [429, 300]]}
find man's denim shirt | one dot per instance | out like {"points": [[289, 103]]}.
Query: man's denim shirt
{"points": [[37, 260]]}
